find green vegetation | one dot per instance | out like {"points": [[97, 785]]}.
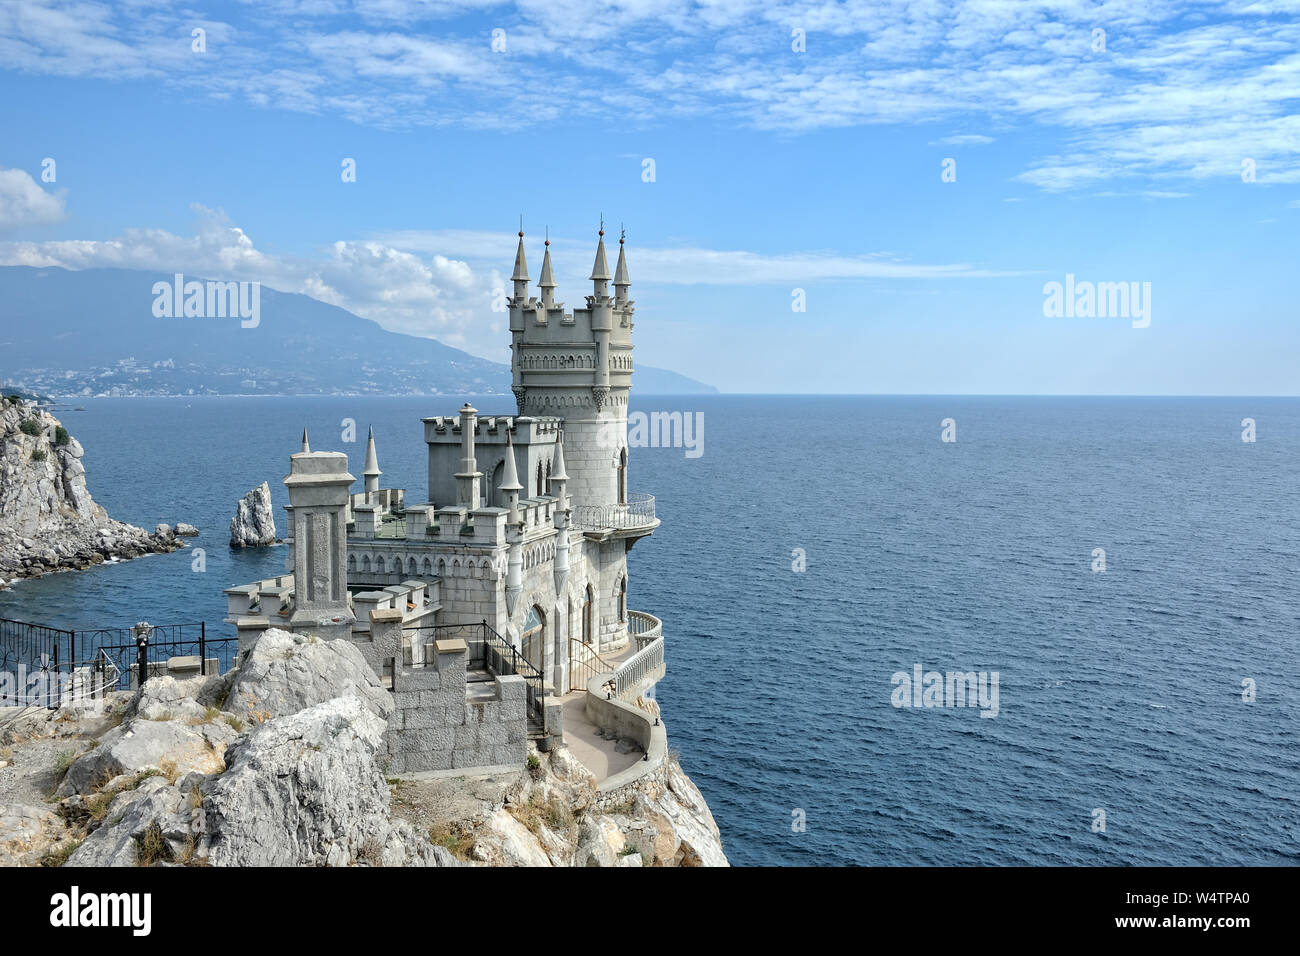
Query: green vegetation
{"points": [[30, 426], [61, 436], [39, 454]]}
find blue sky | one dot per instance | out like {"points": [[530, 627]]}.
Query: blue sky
{"points": [[775, 170]]}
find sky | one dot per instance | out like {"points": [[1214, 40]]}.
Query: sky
{"points": [[856, 197]]}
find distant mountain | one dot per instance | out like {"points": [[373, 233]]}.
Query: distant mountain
{"points": [[95, 332]]}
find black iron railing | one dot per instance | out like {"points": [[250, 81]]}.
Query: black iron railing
{"points": [[49, 667]]}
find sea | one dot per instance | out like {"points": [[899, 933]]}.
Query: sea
{"points": [[1126, 568]]}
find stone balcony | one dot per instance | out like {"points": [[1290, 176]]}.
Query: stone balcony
{"points": [[634, 518]]}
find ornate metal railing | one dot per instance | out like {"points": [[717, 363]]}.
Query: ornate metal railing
{"points": [[637, 512], [585, 663], [644, 667], [644, 628]]}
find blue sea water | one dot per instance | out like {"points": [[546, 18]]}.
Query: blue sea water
{"points": [[1119, 691]]}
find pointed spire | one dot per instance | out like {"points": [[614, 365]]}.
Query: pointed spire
{"points": [[372, 459], [547, 280], [521, 263], [305, 447], [510, 478], [620, 271], [600, 270], [557, 466]]}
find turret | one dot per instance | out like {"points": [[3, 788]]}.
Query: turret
{"points": [[469, 477], [520, 277], [559, 478], [371, 472], [601, 322], [621, 280], [510, 487], [547, 282]]}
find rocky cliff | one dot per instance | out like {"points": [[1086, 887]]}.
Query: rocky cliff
{"points": [[246, 769], [48, 521]]}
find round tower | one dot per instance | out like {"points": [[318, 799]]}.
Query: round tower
{"points": [[578, 366]]}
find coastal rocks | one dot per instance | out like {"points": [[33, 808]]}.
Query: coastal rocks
{"points": [[152, 823], [507, 842], [304, 790], [253, 525], [166, 698], [184, 530], [48, 520], [284, 673]]}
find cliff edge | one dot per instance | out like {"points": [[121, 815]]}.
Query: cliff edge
{"points": [[48, 521]]}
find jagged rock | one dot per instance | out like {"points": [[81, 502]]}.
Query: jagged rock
{"points": [[254, 522], [699, 843], [122, 838], [284, 673], [162, 745], [163, 530], [166, 698], [303, 790], [600, 842], [48, 521], [186, 530], [504, 841], [26, 833]]}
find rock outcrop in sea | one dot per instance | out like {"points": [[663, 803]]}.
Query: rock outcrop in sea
{"points": [[48, 521], [253, 769], [253, 525]]}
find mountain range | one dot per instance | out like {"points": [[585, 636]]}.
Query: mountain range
{"points": [[100, 332]]}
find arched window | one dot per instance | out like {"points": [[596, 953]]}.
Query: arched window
{"points": [[588, 617], [539, 479], [622, 599], [494, 495], [622, 476], [533, 642], [548, 477]]}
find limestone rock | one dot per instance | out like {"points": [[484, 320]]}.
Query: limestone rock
{"points": [[26, 833], [504, 841], [119, 842], [303, 790], [600, 842], [284, 673], [166, 746], [186, 530], [166, 698], [254, 522]]}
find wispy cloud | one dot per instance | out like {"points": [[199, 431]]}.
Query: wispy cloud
{"points": [[1183, 90]]}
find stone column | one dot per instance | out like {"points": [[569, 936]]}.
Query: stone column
{"points": [[318, 484]]}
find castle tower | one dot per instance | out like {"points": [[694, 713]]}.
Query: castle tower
{"points": [[578, 366]]}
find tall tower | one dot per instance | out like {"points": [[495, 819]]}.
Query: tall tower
{"points": [[578, 366]]}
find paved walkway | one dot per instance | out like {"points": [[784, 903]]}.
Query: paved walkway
{"points": [[594, 752]]}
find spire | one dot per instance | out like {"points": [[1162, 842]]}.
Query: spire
{"points": [[620, 271], [510, 478], [547, 280], [521, 263], [372, 460], [600, 270], [558, 464], [305, 447]]}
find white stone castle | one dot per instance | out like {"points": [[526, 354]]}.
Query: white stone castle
{"points": [[487, 607]]}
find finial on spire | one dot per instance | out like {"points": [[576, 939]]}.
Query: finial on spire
{"points": [[305, 447], [521, 225], [602, 224], [622, 233], [548, 235]]}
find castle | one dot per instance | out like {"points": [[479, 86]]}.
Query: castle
{"points": [[486, 607]]}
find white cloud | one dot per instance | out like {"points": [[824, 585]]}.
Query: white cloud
{"points": [[24, 203]]}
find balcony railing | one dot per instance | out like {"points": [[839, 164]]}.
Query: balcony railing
{"points": [[639, 671], [644, 628], [638, 512]]}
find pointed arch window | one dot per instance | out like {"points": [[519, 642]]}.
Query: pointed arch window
{"points": [[622, 476]]}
